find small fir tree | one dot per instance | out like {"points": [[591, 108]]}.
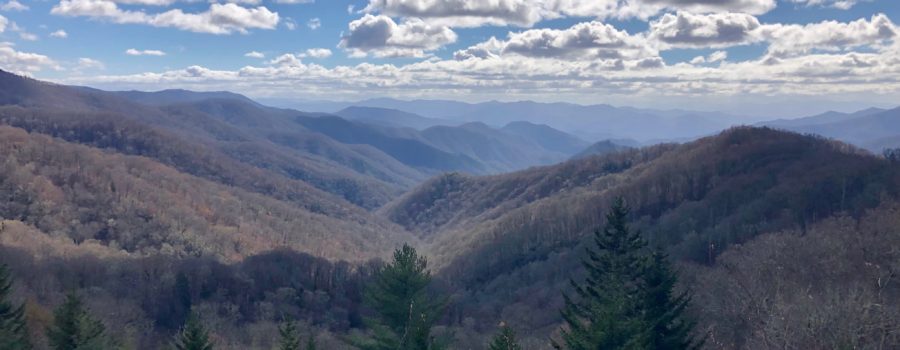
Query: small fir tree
{"points": [[13, 329], [73, 328], [193, 335], [505, 339]]}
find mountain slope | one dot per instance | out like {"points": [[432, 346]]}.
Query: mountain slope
{"points": [[498, 150], [724, 189], [547, 137], [174, 96], [600, 148], [593, 122], [507, 241], [390, 117], [871, 128], [409, 151], [142, 206], [236, 140]]}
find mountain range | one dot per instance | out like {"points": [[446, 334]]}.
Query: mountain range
{"points": [[272, 212]]}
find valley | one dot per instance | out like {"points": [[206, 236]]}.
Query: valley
{"points": [[157, 205]]}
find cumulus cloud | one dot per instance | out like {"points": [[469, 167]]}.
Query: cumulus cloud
{"points": [[28, 36], [686, 29], [526, 13], [136, 52], [714, 57], [13, 5], [218, 19], [838, 4], [314, 23], [317, 53], [24, 62], [85, 63], [755, 7], [382, 37], [584, 40], [789, 40], [255, 54], [60, 34], [463, 13]]}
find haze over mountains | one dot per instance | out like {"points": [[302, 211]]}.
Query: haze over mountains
{"points": [[270, 211]]}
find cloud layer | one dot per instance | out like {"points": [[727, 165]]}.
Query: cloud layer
{"points": [[218, 19]]}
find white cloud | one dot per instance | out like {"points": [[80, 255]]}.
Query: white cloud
{"points": [[314, 23], [462, 13], [60, 34], [218, 19], [755, 7], [316, 53], [591, 40], [146, 2], [289, 23], [788, 40], [526, 13], [255, 54], [714, 57], [24, 62], [28, 36], [3, 23], [85, 63], [13, 5], [686, 29], [136, 52], [838, 4], [382, 37]]}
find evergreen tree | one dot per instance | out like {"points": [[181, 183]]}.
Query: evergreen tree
{"points": [[311, 342], [626, 301], [13, 330], [290, 336], [405, 310], [666, 325], [74, 329], [505, 340], [193, 335]]}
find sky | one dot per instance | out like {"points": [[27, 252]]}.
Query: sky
{"points": [[775, 57]]}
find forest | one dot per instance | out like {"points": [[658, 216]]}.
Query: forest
{"points": [[191, 222]]}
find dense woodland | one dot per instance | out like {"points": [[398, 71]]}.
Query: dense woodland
{"points": [[179, 219]]}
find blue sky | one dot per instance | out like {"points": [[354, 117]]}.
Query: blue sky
{"points": [[655, 53]]}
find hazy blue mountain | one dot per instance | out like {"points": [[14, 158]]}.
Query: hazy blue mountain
{"points": [[547, 137], [873, 129], [498, 150], [824, 118], [407, 150], [592, 122], [391, 117]]}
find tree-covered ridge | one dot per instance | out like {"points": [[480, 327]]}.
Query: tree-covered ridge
{"points": [[142, 206]]}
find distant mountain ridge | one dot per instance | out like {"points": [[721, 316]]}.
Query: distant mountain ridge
{"points": [[874, 129]]}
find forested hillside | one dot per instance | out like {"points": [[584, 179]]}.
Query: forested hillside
{"points": [[510, 241], [159, 208]]}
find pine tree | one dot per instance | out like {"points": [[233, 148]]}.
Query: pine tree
{"points": [[193, 335], [74, 329], [13, 330], [311, 342], [626, 300], [406, 312], [505, 340], [666, 325], [290, 336]]}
